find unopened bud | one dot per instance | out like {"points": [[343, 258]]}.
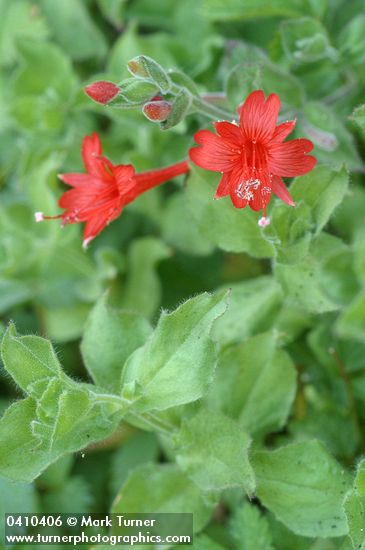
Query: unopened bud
{"points": [[102, 92], [263, 222], [157, 111], [143, 66]]}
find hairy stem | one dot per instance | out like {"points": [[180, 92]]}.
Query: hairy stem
{"points": [[153, 420]]}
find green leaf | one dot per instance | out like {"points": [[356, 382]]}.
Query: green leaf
{"points": [[162, 488], [351, 40], [250, 529], [162, 368], [305, 40], [113, 11], [142, 290], [322, 190], [358, 116], [203, 542], [252, 306], [351, 322], [304, 487], [18, 21], [135, 92], [145, 67], [63, 324], [213, 451], [111, 335], [20, 456], [87, 42], [80, 420], [45, 68], [334, 144], [139, 449], [232, 229], [184, 236], [355, 509], [252, 9], [250, 373], [316, 283], [247, 77], [15, 497], [73, 494], [29, 359]]}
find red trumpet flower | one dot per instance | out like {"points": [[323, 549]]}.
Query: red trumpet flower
{"points": [[253, 156], [99, 196]]}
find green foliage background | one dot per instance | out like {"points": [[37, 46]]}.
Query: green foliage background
{"points": [[245, 404]]}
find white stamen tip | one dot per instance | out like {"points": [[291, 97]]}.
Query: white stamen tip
{"points": [[86, 242], [38, 216], [264, 222]]}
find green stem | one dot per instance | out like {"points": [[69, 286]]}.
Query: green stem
{"points": [[205, 107], [210, 110], [154, 421]]}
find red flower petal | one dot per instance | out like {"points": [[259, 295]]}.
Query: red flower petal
{"points": [[90, 150], [95, 163], [290, 159], [283, 130], [76, 179], [214, 154], [237, 201], [94, 225], [258, 117], [229, 131], [223, 186], [280, 190], [127, 185]]}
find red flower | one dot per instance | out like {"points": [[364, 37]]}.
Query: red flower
{"points": [[99, 196], [252, 156]]}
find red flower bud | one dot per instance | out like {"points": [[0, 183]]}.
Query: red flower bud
{"points": [[157, 111], [102, 91]]}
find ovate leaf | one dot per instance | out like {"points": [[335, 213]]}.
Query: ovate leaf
{"points": [[177, 363], [250, 529], [29, 359], [322, 189], [252, 305], [304, 487], [355, 509], [110, 336], [162, 488], [213, 450], [260, 382]]}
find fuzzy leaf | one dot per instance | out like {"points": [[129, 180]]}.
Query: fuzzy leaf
{"points": [[322, 190], [250, 529], [213, 451], [29, 359], [355, 509], [110, 336], [252, 306], [304, 487], [177, 363], [250, 373], [162, 488]]}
